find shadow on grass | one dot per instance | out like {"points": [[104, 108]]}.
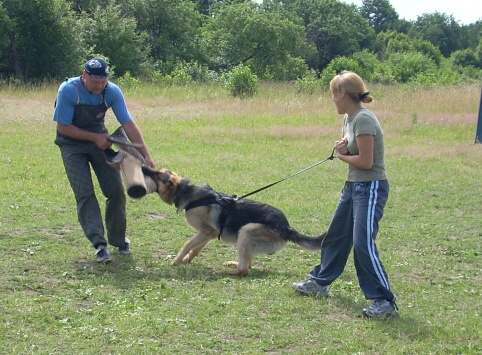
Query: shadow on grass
{"points": [[401, 327], [126, 271]]}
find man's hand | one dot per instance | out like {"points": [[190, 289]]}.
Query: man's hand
{"points": [[150, 162], [101, 141]]}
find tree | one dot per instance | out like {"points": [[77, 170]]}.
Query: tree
{"points": [[172, 28], [474, 33], [442, 31], [380, 14], [335, 28], [6, 27], [403, 26], [43, 40], [110, 34], [394, 42], [246, 34], [88, 6]]}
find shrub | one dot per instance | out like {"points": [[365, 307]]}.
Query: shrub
{"points": [[290, 69], [367, 62], [383, 74], [241, 82], [307, 83], [405, 66], [127, 81], [464, 58], [337, 65], [439, 77]]}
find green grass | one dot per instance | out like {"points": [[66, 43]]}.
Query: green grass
{"points": [[55, 299]]}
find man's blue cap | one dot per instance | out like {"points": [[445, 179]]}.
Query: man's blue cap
{"points": [[96, 67]]}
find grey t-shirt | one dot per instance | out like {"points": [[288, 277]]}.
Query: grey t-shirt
{"points": [[365, 122]]}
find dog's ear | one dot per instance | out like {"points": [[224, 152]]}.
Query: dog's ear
{"points": [[147, 170], [165, 177], [162, 175]]}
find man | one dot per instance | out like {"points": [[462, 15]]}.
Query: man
{"points": [[80, 111]]}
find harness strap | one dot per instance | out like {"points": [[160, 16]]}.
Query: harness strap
{"points": [[209, 200], [226, 202], [77, 91]]}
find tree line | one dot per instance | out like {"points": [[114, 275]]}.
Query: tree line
{"points": [[202, 40]]}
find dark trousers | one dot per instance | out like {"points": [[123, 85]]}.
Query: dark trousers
{"points": [[355, 224], [78, 160]]}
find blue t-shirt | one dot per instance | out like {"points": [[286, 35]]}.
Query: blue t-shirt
{"points": [[68, 94]]}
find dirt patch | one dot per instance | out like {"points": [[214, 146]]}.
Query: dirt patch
{"points": [[428, 152]]}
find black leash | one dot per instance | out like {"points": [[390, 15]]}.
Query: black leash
{"points": [[331, 157]]}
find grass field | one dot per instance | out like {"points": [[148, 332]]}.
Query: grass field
{"points": [[55, 299]]}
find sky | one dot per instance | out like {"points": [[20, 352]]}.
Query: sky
{"points": [[463, 11]]}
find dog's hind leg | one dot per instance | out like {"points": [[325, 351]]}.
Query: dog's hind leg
{"points": [[244, 247], [255, 239]]}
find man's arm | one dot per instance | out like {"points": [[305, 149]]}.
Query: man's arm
{"points": [[135, 136], [100, 139]]}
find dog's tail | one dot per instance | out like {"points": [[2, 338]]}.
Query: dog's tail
{"points": [[305, 241]]}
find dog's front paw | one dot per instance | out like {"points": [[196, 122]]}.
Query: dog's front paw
{"points": [[178, 261]]}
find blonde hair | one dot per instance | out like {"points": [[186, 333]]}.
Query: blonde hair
{"points": [[353, 84]]}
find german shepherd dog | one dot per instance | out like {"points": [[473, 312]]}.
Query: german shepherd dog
{"points": [[254, 227]]}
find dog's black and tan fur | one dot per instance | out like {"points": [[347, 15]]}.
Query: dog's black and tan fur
{"points": [[254, 227]]}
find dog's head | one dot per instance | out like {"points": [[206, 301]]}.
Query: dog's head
{"points": [[167, 182]]}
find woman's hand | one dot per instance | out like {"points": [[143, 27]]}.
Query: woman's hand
{"points": [[341, 147]]}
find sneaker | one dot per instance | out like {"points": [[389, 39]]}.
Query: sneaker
{"points": [[103, 254], [125, 250], [381, 308], [311, 288]]}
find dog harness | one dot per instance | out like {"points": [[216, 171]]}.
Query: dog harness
{"points": [[226, 202]]}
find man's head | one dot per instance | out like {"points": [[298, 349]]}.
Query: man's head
{"points": [[96, 75], [97, 68]]}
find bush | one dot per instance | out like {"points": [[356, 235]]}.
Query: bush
{"points": [[383, 74], [439, 77], [307, 83], [367, 62], [241, 82], [337, 65], [290, 69], [464, 58], [405, 66], [127, 81]]}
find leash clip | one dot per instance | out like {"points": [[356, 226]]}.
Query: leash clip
{"points": [[332, 156]]}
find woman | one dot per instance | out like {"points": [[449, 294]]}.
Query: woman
{"points": [[361, 204]]}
